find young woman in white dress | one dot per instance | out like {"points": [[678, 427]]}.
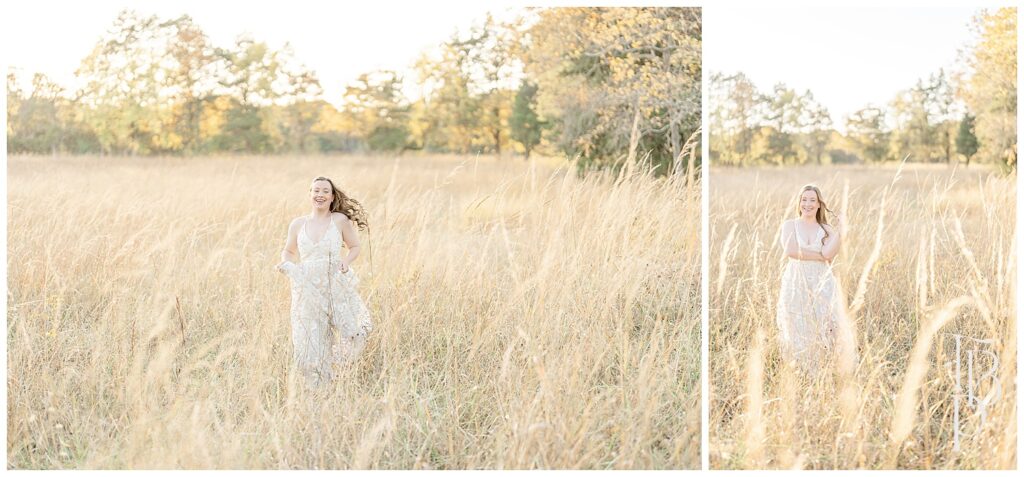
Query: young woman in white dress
{"points": [[809, 301], [329, 320]]}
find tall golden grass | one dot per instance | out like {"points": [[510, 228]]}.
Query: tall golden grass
{"points": [[929, 252], [525, 317]]}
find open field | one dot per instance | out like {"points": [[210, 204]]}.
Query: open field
{"points": [[524, 317], [943, 264]]}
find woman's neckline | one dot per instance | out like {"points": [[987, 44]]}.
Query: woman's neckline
{"points": [[327, 230], [799, 236]]}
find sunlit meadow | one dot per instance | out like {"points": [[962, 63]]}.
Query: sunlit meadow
{"points": [[525, 316], [929, 254]]}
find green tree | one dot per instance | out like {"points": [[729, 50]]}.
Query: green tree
{"points": [[734, 118], [492, 56], [297, 105], [600, 68], [251, 69], [377, 111], [525, 124], [145, 85], [784, 109], [819, 127], [991, 88], [121, 91], [191, 63], [46, 120], [943, 104], [925, 120], [865, 130], [966, 141], [37, 126], [15, 96], [914, 133], [454, 108]]}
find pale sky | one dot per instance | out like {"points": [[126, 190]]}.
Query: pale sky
{"points": [[848, 57], [339, 40]]}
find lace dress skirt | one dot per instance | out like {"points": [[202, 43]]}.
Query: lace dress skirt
{"points": [[807, 314]]}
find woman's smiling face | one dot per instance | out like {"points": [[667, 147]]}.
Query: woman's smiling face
{"points": [[809, 203], [321, 193]]}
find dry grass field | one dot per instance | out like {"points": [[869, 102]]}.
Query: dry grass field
{"points": [[524, 317], [927, 256]]}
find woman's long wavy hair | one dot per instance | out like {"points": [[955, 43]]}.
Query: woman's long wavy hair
{"points": [[819, 216], [345, 204]]}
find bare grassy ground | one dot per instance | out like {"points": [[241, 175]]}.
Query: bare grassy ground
{"points": [[926, 257], [524, 317]]}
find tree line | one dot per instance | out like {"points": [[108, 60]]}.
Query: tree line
{"points": [[970, 115], [582, 82]]}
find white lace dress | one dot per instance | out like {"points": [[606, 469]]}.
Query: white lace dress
{"points": [[808, 308], [330, 322]]}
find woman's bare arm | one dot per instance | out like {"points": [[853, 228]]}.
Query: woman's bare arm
{"points": [[792, 248], [787, 238], [831, 248], [811, 255], [290, 252], [351, 239]]}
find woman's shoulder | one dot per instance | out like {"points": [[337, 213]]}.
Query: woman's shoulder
{"points": [[828, 228], [339, 217], [297, 221]]}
